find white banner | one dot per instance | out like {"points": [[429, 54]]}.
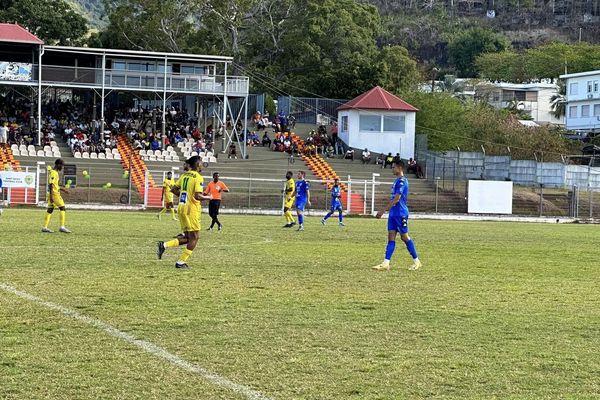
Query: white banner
{"points": [[10, 71], [490, 197], [10, 179]]}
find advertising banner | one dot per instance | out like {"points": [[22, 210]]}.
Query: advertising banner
{"points": [[10, 179], [10, 71]]}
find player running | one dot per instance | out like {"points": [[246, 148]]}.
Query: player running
{"points": [[189, 189], [214, 189], [54, 198], [168, 196], [302, 194], [290, 197], [398, 220], [336, 203]]}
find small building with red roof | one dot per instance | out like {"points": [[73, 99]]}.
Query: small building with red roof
{"points": [[379, 121]]}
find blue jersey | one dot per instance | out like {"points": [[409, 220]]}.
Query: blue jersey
{"points": [[400, 187], [302, 188], [335, 197]]}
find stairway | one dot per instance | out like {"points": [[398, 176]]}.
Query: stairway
{"points": [[131, 161], [17, 195], [322, 170]]}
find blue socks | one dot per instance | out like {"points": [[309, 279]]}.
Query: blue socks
{"points": [[389, 250], [410, 246], [327, 216], [301, 219], [341, 217]]}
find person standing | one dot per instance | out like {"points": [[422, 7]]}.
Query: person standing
{"points": [[398, 220], [336, 203], [214, 190], [54, 198], [289, 198], [168, 196], [302, 194]]}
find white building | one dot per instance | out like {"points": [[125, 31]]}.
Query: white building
{"points": [[533, 98], [583, 101], [379, 121]]}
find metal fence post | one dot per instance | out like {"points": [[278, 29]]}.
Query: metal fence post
{"points": [[365, 199], [453, 174], [249, 189], [541, 199], [373, 194], [146, 188], [437, 184], [444, 173], [349, 194], [590, 198]]}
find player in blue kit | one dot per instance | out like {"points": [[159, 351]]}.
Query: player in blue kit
{"points": [[302, 194], [336, 203], [398, 220]]}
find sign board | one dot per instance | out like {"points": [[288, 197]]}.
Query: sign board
{"points": [[12, 179], [490, 197], [11, 71]]}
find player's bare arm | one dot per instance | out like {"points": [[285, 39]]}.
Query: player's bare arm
{"points": [[391, 204]]}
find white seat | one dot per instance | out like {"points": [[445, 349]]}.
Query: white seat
{"points": [[194, 153], [187, 154], [53, 144], [54, 148], [56, 154], [31, 148], [202, 154], [48, 154], [40, 153], [115, 151], [158, 153], [209, 154], [173, 154], [85, 154], [93, 156], [180, 145], [14, 147], [212, 159], [142, 152], [77, 154], [176, 158], [205, 160], [117, 156], [168, 158], [109, 156], [102, 156], [16, 153], [160, 158], [32, 153], [23, 148], [169, 148], [46, 148], [149, 152], [152, 158]]}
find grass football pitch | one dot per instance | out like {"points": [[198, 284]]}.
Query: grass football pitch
{"points": [[500, 310]]}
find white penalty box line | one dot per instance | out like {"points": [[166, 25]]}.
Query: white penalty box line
{"points": [[142, 344]]}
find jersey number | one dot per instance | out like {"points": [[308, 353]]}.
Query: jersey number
{"points": [[185, 184]]}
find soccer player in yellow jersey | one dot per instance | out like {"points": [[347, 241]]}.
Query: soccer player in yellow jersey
{"points": [[167, 195], [189, 188], [290, 197], [54, 198]]}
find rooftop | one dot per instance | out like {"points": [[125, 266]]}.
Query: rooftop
{"points": [[580, 74], [378, 99], [17, 34]]}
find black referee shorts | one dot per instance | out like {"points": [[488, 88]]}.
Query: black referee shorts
{"points": [[213, 207]]}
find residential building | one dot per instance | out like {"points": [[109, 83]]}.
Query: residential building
{"points": [[583, 101]]}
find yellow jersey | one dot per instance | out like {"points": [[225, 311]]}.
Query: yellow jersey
{"points": [[189, 184], [53, 182], [167, 185], [290, 187]]}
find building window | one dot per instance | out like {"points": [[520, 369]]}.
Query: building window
{"points": [[573, 112], [370, 123], [585, 111], [345, 123], [531, 96], [595, 86], [520, 95], [596, 110], [393, 123], [574, 88], [589, 86]]}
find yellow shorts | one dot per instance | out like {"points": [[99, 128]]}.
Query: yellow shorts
{"points": [[289, 203], [189, 221], [58, 201], [169, 199]]}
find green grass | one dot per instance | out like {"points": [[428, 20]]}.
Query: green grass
{"points": [[500, 310]]}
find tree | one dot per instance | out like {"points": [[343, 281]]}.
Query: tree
{"points": [[397, 71], [506, 66], [464, 48], [53, 21], [558, 101]]}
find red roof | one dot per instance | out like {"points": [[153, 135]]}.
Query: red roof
{"points": [[17, 34], [378, 99]]}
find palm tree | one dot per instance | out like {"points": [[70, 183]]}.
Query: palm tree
{"points": [[558, 102]]}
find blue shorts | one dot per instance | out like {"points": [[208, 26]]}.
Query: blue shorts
{"points": [[336, 206], [300, 204], [398, 223]]}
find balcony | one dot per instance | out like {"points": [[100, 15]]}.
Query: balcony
{"points": [[142, 81]]}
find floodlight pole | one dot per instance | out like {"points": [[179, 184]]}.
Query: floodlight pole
{"points": [[164, 108], [39, 103], [102, 93], [224, 122], [375, 175]]}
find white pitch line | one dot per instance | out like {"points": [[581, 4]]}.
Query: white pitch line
{"points": [[142, 344]]}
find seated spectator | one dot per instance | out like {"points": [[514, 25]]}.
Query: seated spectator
{"points": [[266, 141], [329, 151], [232, 151], [397, 158], [155, 145], [349, 155], [389, 160], [366, 156], [412, 166], [380, 160]]}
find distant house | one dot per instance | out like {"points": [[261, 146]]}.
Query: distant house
{"points": [[379, 121], [583, 101], [531, 98]]}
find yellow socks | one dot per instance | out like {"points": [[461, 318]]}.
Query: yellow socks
{"points": [[173, 213], [63, 216], [164, 210], [289, 217], [172, 243], [47, 219], [185, 255]]}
